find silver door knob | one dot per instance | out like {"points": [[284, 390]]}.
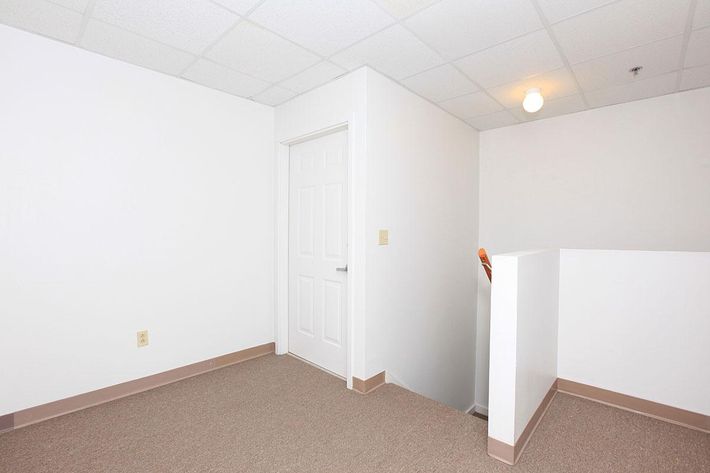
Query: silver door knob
{"points": [[343, 269]]}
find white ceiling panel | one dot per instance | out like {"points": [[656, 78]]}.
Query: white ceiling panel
{"points": [[394, 51], [239, 6], [702, 14], [552, 108], [76, 5], [404, 8], [553, 84], [556, 10], [474, 58], [698, 53], [471, 105], [323, 26], [695, 78], [191, 25], [656, 58], [40, 16], [456, 28], [130, 47], [441, 83], [658, 85], [313, 77], [514, 60], [493, 120], [260, 53], [274, 96], [220, 77], [619, 26]]}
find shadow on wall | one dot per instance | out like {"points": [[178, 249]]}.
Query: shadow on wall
{"points": [[483, 317]]}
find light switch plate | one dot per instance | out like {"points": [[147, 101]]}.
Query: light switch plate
{"points": [[384, 237]]}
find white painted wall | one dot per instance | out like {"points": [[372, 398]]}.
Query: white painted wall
{"points": [[342, 101], [524, 331], [633, 322], [413, 173], [421, 186], [537, 332], [504, 330], [632, 176], [638, 323], [129, 200]]}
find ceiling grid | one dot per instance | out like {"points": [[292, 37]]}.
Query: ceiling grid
{"points": [[473, 59]]}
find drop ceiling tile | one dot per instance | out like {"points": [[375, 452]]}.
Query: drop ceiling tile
{"points": [[471, 105], [695, 78], [238, 6], [39, 16], [619, 26], [493, 120], [76, 5], [404, 8], [553, 84], [323, 26], [456, 28], [656, 58], [698, 53], [274, 96], [260, 53], [517, 59], [552, 108], [191, 25], [222, 78], [556, 10], [702, 14], [659, 85], [313, 77], [130, 47], [440, 83], [394, 51]]}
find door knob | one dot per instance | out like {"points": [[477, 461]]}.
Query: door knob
{"points": [[343, 269]]}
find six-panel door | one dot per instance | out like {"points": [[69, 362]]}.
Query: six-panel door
{"points": [[317, 249]]}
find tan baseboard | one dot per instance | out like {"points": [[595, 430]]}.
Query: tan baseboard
{"points": [[82, 401], [501, 451], [510, 454], [534, 421], [7, 422], [674, 415], [368, 385]]}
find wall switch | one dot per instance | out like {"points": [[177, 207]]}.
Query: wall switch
{"points": [[384, 237], [142, 338]]}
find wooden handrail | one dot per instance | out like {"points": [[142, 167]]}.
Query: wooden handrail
{"points": [[486, 263]]}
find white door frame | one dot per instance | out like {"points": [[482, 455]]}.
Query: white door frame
{"points": [[355, 278]]}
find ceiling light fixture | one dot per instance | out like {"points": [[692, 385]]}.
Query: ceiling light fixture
{"points": [[533, 100]]}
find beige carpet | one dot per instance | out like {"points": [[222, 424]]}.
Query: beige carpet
{"points": [[277, 414]]}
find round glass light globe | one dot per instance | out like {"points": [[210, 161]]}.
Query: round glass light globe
{"points": [[533, 101]]}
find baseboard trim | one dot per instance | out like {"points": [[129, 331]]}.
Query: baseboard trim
{"points": [[501, 451], [68, 405], [674, 415], [368, 385], [534, 421], [7, 422], [510, 454]]}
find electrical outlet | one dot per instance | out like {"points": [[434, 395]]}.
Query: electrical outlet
{"points": [[142, 338], [384, 237]]}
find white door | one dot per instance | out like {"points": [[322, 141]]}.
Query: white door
{"points": [[318, 251]]}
